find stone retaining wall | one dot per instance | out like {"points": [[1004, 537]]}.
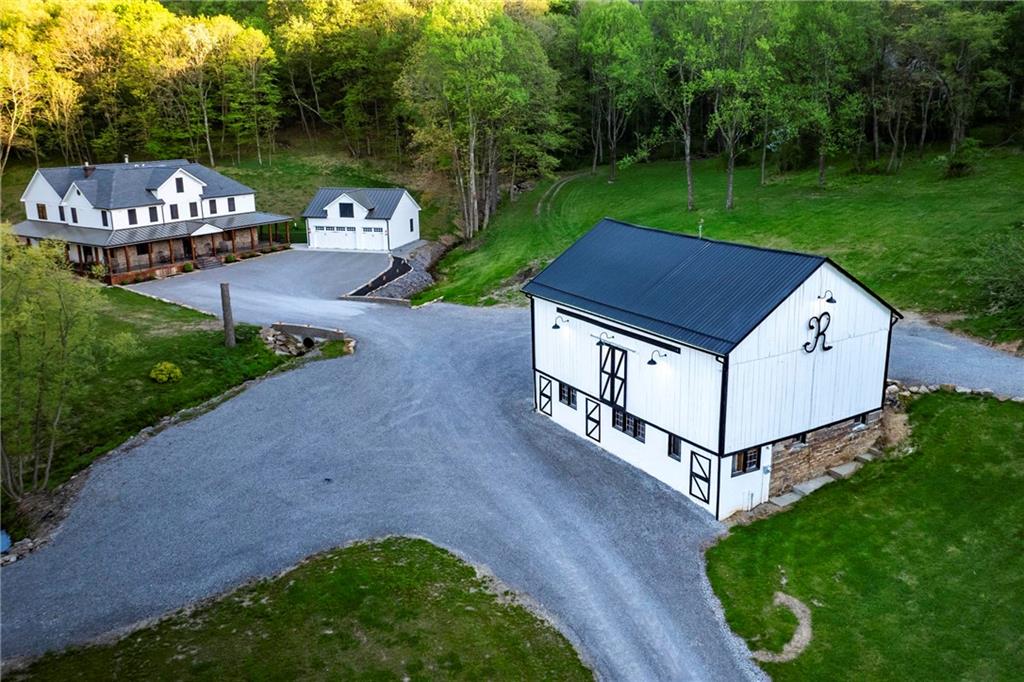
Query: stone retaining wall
{"points": [[794, 462]]}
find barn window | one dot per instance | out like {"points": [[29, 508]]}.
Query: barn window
{"points": [[862, 420], [330, 228], [41, 211], [74, 215], [675, 447], [153, 214], [319, 228], [213, 206], [567, 395], [746, 461], [103, 217], [179, 185], [345, 211], [142, 249], [410, 225], [174, 211], [193, 208], [133, 218], [231, 204], [629, 425]]}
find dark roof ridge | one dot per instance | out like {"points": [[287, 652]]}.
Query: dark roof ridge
{"points": [[744, 245]]}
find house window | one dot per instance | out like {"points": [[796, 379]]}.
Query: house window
{"points": [[179, 185], [410, 225], [629, 425], [367, 230], [567, 395], [133, 218], [60, 209], [152, 214], [319, 228], [103, 217], [142, 249], [675, 447], [345, 211], [746, 461], [193, 208], [231, 204], [330, 228], [74, 215], [213, 206], [41, 211], [174, 211]]}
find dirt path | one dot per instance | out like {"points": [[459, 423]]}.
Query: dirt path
{"points": [[544, 203]]}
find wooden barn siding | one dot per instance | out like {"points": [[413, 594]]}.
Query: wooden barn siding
{"points": [[776, 389]]}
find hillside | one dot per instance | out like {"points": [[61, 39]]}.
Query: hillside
{"points": [[914, 237]]}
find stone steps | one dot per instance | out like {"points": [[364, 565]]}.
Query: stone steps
{"points": [[208, 262], [809, 486], [842, 471]]}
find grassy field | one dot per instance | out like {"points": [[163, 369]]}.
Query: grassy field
{"points": [[122, 399], [389, 610], [913, 569], [913, 237]]}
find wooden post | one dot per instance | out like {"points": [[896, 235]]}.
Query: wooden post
{"points": [[234, 248], [127, 261], [253, 243], [288, 234], [170, 250], [192, 243], [149, 252], [271, 234], [229, 320]]}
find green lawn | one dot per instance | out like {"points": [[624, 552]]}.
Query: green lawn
{"points": [[388, 610], [913, 569], [122, 399], [912, 237]]}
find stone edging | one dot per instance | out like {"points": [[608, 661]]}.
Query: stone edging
{"points": [[898, 388]]}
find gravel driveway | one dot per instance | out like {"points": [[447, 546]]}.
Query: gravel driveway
{"points": [[427, 430]]}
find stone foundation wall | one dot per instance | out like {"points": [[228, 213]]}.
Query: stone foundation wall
{"points": [[794, 462]]}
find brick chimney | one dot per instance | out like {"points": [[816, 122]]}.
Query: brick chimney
{"points": [[88, 168]]}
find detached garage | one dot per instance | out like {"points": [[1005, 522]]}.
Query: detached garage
{"points": [[362, 219]]}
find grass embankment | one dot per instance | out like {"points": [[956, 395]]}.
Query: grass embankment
{"points": [[913, 569], [388, 610], [121, 399], [913, 237]]}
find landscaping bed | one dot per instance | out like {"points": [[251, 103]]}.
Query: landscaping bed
{"points": [[912, 569], [398, 608]]}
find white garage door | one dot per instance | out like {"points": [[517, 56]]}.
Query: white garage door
{"points": [[372, 239], [334, 237]]}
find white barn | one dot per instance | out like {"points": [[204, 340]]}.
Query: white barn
{"points": [[362, 219], [698, 361]]}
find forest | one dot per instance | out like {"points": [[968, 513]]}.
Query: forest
{"points": [[495, 94]]}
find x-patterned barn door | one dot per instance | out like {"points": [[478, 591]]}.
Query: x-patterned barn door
{"points": [[700, 477], [594, 419], [613, 375], [545, 396]]}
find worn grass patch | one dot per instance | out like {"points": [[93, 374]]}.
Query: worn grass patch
{"points": [[389, 610], [913, 569], [913, 237]]}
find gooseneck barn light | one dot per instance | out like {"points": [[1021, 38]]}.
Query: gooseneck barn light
{"points": [[652, 361], [557, 319], [829, 298]]}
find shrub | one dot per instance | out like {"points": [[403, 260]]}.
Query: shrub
{"points": [[266, 249], [230, 258], [165, 373], [188, 267], [999, 275], [964, 161], [98, 270]]}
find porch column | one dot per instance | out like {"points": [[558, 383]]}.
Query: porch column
{"points": [[288, 233], [234, 247], [192, 243], [149, 252], [170, 250], [127, 261], [253, 241]]}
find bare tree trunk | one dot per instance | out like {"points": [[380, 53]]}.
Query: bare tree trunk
{"points": [[874, 118], [764, 151], [688, 160], [924, 122], [206, 128], [730, 170], [821, 168]]}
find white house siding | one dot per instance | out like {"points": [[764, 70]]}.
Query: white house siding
{"points": [[744, 491], [87, 215], [398, 225], [679, 395], [192, 190], [39, 191], [776, 389]]}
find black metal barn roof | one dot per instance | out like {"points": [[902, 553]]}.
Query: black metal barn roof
{"points": [[700, 292]]}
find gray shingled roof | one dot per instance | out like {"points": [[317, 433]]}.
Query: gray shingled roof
{"points": [[380, 201], [701, 292], [105, 237], [124, 185]]}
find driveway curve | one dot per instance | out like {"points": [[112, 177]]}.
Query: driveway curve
{"points": [[427, 430]]}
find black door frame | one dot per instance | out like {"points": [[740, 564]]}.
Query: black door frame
{"points": [[545, 395], [593, 419]]}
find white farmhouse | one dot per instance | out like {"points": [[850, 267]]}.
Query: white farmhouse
{"points": [[146, 218], [729, 372], [362, 219]]}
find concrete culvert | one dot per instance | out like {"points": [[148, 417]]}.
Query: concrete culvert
{"points": [[308, 342]]}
